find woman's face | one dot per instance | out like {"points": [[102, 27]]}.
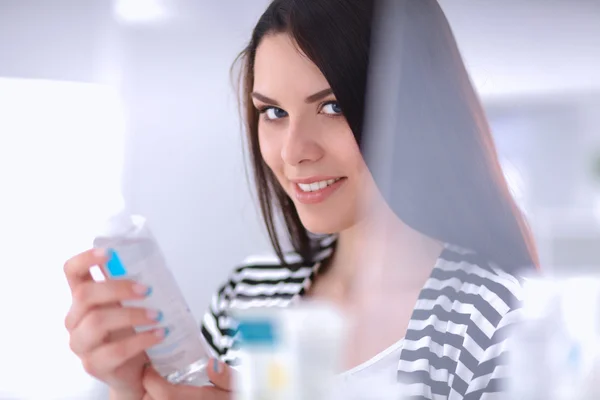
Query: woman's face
{"points": [[305, 139]]}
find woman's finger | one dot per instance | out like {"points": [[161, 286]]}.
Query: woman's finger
{"points": [[221, 375], [112, 355], [158, 387], [77, 269], [90, 294], [96, 326]]}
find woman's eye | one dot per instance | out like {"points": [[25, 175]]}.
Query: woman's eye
{"points": [[332, 108], [273, 113]]}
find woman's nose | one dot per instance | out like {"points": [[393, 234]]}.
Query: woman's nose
{"points": [[301, 145]]}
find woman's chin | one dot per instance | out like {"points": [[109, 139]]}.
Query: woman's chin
{"points": [[323, 225]]}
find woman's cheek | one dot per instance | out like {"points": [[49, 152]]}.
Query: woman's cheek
{"points": [[270, 151]]}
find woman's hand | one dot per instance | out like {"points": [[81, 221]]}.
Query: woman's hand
{"points": [[101, 331], [221, 375]]}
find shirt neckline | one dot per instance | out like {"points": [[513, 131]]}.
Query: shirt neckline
{"points": [[373, 360]]}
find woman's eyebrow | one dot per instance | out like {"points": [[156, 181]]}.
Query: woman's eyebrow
{"points": [[318, 96], [264, 98], [310, 99]]}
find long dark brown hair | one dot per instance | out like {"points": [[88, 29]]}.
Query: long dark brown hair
{"points": [[448, 182]]}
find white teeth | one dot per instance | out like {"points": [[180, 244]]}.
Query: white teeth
{"points": [[312, 187]]}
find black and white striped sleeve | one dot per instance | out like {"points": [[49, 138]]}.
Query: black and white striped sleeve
{"points": [[490, 378], [217, 326]]}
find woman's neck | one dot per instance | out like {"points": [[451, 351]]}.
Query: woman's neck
{"points": [[381, 249]]}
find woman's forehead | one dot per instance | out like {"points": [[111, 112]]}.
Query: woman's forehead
{"points": [[281, 67]]}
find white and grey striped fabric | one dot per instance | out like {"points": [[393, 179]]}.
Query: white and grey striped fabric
{"points": [[456, 342]]}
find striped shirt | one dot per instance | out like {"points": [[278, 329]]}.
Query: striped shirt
{"points": [[456, 341]]}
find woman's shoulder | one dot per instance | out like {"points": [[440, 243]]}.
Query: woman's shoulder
{"points": [[266, 276], [261, 280], [470, 273], [468, 305]]}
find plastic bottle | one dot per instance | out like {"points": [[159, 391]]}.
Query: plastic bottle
{"points": [[135, 255], [289, 353]]}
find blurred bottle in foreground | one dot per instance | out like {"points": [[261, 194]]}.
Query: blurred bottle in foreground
{"points": [[296, 353], [555, 352]]}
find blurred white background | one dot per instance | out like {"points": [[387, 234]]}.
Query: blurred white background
{"points": [[99, 96]]}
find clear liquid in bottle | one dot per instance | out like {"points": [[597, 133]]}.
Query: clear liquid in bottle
{"points": [[135, 255]]}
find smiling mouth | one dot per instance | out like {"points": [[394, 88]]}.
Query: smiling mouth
{"points": [[312, 191], [316, 186]]}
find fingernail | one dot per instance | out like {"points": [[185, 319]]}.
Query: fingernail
{"points": [[155, 315], [99, 252], [142, 289], [161, 333], [216, 366]]}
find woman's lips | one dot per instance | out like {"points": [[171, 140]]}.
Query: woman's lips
{"points": [[320, 189]]}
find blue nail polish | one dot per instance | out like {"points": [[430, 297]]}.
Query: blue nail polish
{"points": [[167, 331], [114, 265], [159, 317], [216, 366], [148, 292]]}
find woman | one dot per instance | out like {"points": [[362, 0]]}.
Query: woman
{"points": [[449, 240]]}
